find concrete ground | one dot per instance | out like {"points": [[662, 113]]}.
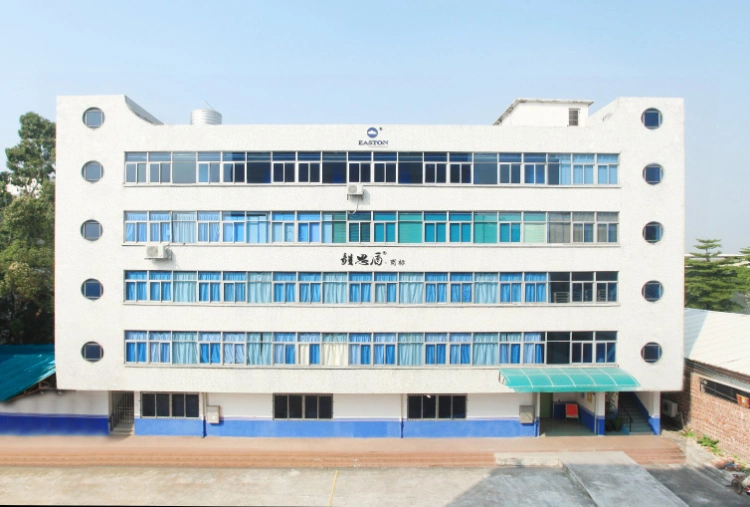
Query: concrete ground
{"points": [[361, 487]]}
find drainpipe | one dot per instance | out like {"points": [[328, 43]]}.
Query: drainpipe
{"points": [[401, 415]]}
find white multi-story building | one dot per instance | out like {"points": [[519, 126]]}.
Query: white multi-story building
{"points": [[369, 280]]}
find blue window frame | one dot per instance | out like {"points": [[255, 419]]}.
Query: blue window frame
{"points": [[385, 348], [435, 348], [308, 227], [436, 287], [283, 227], [160, 285], [460, 227], [233, 226], [136, 350], [210, 348], [284, 348], [435, 226], [386, 287], [310, 288], [135, 286], [209, 287], [234, 287], [460, 348], [461, 287], [360, 287], [360, 349], [284, 287], [209, 226], [136, 226]]}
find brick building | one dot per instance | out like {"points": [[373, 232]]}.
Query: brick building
{"points": [[715, 399]]}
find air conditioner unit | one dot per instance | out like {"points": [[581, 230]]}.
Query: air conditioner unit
{"points": [[669, 408], [157, 251], [213, 415], [354, 189]]}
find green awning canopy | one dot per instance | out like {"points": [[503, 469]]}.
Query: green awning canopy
{"points": [[567, 379], [22, 366]]}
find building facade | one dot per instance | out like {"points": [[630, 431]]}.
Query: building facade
{"points": [[715, 398], [369, 280]]}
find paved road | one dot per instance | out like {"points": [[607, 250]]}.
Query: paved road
{"points": [[355, 487], [697, 488]]}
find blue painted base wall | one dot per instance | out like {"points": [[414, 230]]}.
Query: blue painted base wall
{"points": [[337, 428], [653, 422], [53, 424], [169, 427]]}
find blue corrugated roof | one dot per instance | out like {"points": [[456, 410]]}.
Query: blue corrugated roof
{"points": [[22, 366]]}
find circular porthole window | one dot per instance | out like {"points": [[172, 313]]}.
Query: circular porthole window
{"points": [[91, 230], [653, 174], [92, 351], [652, 291], [92, 172], [93, 118], [653, 232], [651, 118], [92, 289], [651, 352]]}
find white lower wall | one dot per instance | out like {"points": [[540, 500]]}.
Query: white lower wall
{"points": [[491, 406], [245, 406], [652, 401], [374, 406], [67, 403]]}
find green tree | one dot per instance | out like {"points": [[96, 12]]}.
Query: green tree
{"points": [[711, 282], [32, 161], [27, 236]]}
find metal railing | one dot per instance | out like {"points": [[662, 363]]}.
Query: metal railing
{"points": [[628, 420], [122, 410]]}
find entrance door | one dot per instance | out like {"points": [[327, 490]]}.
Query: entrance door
{"points": [[545, 405], [121, 419]]}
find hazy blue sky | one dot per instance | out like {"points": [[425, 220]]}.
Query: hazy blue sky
{"points": [[400, 62]]}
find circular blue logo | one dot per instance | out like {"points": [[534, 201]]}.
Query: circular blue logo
{"points": [[372, 132]]}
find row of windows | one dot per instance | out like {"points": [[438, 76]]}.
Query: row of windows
{"points": [[370, 226], [404, 168], [368, 287], [303, 406], [369, 349]]}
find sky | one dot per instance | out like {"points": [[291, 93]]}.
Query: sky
{"points": [[399, 62]]}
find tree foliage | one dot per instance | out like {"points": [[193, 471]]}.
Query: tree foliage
{"points": [[711, 281], [32, 161], [27, 236]]}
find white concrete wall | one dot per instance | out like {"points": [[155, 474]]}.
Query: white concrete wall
{"points": [[375, 406], [652, 402], [544, 114], [79, 320], [245, 406], [66, 403], [494, 406]]}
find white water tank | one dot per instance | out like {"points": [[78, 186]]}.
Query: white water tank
{"points": [[205, 117]]}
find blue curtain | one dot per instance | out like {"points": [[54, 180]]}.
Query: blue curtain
{"points": [[510, 292], [485, 349], [334, 288], [359, 348], [283, 349], [411, 288], [536, 287], [510, 353], [209, 291], [435, 348], [533, 351], [257, 228], [486, 288], [410, 349], [130, 232], [461, 292], [159, 345], [259, 287], [183, 227], [385, 348], [259, 348], [460, 349], [184, 286], [184, 348], [135, 347]]}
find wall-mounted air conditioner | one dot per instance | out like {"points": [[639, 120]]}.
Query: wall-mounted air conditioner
{"points": [[213, 415], [669, 408], [354, 189], [157, 251]]}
